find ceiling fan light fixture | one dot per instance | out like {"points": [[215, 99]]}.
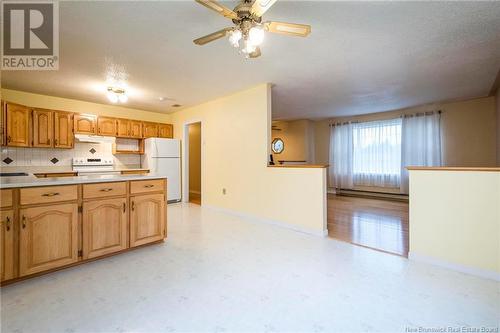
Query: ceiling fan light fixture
{"points": [[235, 37], [256, 35], [248, 48]]}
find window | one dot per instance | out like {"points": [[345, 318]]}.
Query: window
{"points": [[377, 153]]}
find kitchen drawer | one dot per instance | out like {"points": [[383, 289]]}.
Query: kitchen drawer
{"points": [[48, 194], [5, 198], [146, 186], [101, 190]]}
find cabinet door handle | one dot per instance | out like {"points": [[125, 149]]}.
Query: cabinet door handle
{"points": [[53, 194], [8, 138], [55, 142], [48, 141], [106, 189], [24, 222], [149, 186], [133, 205], [124, 207], [7, 224]]}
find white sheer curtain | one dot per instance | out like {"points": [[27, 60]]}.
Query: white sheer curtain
{"points": [[421, 143], [377, 153], [340, 171]]}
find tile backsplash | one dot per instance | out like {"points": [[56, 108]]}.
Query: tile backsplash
{"points": [[11, 156]]}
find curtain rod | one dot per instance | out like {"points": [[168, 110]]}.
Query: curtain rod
{"points": [[417, 114]]}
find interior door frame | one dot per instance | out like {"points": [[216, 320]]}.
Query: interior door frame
{"points": [[185, 159]]}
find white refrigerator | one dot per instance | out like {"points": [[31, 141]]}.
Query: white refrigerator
{"points": [[163, 157]]}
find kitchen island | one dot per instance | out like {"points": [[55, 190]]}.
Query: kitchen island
{"points": [[52, 223]]}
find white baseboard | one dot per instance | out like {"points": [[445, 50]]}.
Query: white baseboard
{"points": [[252, 219], [487, 274]]}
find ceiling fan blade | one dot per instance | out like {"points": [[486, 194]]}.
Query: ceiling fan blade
{"points": [[301, 30], [213, 36], [259, 7], [217, 7], [256, 53]]}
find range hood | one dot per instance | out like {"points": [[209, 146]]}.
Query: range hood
{"points": [[94, 138]]}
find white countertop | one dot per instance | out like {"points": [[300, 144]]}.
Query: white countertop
{"points": [[32, 181], [61, 169]]}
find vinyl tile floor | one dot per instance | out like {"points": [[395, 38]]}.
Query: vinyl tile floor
{"points": [[221, 273]]}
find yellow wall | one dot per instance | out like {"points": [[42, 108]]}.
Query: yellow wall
{"points": [[455, 220], [236, 139], [468, 131], [195, 158], [298, 137], [66, 104]]}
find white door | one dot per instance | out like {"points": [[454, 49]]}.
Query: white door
{"points": [[170, 167]]}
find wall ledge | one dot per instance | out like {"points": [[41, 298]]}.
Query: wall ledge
{"points": [[482, 273], [254, 219], [490, 169]]}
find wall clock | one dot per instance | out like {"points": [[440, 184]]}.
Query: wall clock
{"points": [[277, 146]]}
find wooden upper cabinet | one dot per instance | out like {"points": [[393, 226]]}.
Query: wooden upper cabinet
{"points": [[48, 237], [150, 130], [6, 245], [105, 227], [18, 125], [106, 126], [63, 129], [2, 123], [147, 219], [123, 128], [85, 123], [165, 131], [135, 129], [43, 128]]}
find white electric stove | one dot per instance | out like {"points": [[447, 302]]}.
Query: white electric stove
{"points": [[94, 166]]}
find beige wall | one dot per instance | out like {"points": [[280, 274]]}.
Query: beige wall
{"points": [[236, 140], [298, 137], [468, 131], [66, 104], [455, 220], [497, 98], [195, 158]]}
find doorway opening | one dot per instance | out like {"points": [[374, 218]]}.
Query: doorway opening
{"points": [[194, 162]]}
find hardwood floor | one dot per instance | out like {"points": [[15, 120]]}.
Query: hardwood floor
{"points": [[195, 198], [374, 223]]}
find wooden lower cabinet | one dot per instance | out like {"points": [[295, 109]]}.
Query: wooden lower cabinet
{"points": [[48, 237], [49, 227], [6, 245], [105, 227], [147, 219]]}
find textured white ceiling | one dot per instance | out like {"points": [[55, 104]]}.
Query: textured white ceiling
{"points": [[361, 57]]}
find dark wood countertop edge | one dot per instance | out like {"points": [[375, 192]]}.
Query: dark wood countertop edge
{"points": [[300, 166], [488, 169]]}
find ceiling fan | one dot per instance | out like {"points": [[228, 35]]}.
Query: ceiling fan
{"points": [[249, 28]]}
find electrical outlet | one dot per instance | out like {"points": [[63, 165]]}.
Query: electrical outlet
{"points": [[224, 191]]}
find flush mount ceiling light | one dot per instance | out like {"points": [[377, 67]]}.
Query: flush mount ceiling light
{"points": [[116, 95], [248, 33]]}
